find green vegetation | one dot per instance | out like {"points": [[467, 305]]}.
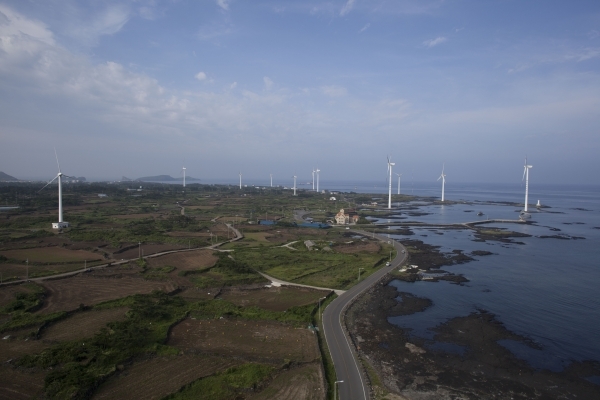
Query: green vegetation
{"points": [[226, 385], [226, 272]]}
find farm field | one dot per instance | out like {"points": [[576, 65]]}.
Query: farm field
{"points": [[16, 346], [303, 382], [146, 249], [82, 324], [16, 384], [50, 255], [273, 298], [261, 340], [67, 294], [186, 261], [160, 376]]}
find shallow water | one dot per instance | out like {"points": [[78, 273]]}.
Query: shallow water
{"points": [[544, 289]]}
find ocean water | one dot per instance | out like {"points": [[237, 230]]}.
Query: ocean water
{"points": [[545, 289]]}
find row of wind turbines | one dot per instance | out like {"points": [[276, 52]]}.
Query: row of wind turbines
{"points": [[523, 215]]}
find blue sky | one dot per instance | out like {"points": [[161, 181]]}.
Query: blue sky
{"points": [[142, 87]]}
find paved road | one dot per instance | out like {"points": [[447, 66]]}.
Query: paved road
{"points": [[344, 360]]}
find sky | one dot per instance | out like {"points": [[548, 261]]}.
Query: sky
{"points": [[143, 87]]}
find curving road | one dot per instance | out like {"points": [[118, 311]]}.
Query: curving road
{"points": [[344, 360]]}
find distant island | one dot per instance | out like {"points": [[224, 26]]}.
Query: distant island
{"points": [[7, 178], [165, 178]]}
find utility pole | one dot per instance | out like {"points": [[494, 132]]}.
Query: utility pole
{"points": [[359, 273]]}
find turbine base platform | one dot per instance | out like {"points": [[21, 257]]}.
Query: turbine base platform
{"points": [[60, 225]]}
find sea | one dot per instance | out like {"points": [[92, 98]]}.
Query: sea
{"points": [[545, 287]]}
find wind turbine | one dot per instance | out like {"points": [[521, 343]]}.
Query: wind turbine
{"points": [[60, 224], [183, 169], [399, 175], [240, 179], [443, 178], [295, 184], [317, 171], [526, 177], [271, 175], [313, 175], [390, 165]]}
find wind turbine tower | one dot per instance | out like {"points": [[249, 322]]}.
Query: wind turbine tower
{"points": [[526, 177], [60, 224], [390, 165], [317, 171], [399, 175], [240, 180], [295, 184], [443, 178], [183, 169], [271, 175], [313, 175]]}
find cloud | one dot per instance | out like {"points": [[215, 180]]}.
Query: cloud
{"points": [[434, 42], [233, 85], [200, 76], [224, 4], [334, 91], [364, 28], [347, 7], [14, 24], [108, 21], [268, 83]]}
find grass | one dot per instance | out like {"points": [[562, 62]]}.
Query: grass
{"points": [[229, 384]]}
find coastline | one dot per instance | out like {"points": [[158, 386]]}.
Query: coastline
{"points": [[463, 360]]}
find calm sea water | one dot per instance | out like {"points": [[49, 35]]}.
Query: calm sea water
{"points": [[545, 289]]}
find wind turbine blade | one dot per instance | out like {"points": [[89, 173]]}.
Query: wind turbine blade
{"points": [[57, 163], [48, 183]]}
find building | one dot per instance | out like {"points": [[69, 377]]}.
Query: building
{"points": [[346, 217]]}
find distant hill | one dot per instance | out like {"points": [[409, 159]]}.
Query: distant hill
{"points": [[165, 178], [7, 178], [125, 179]]}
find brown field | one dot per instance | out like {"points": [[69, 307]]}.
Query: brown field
{"points": [[67, 294], [200, 207], [195, 294], [135, 216], [301, 383], [264, 340], [258, 236], [17, 271], [18, 384], [160, 376], [83, 324], [16, 346], [147, 249], [7, 293], [188, 234], [185, 261], [357, 247], [274, 298], [51, 255], [230, 219]]}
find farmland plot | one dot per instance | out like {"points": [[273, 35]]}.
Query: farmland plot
{"points": [[16, 346], [160, 376], [264, 340], [16, 384], [67, 294], [52, 255], [274, 298], [186, 261], [83, 324], [146, 249], [301, 383]]}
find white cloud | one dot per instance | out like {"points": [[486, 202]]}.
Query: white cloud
{"points": [[435, 42], [347, 7], [334, 91], [224, 4], [200, 76], [268, 83], [105, 22], [364, 28], [14, 24], [233, 85]]}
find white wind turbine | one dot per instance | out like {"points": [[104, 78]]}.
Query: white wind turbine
{"points": [[443, 178], [526, 177], [183, 169], [313, 175], [390, 165], [295, 184], [60, 224], [399, 175], [317, 171], [240, 179], [271, 175]]}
